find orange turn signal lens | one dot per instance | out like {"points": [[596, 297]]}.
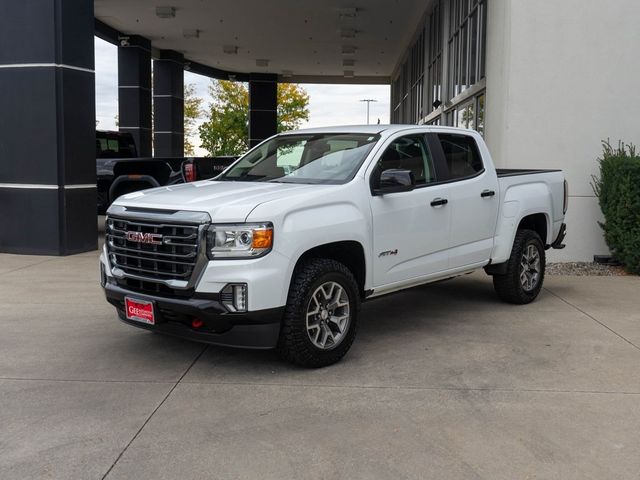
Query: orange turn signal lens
{"points": [[262, 238]]}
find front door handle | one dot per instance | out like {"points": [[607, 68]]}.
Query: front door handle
{"points": [[439, 201], [487, 193]]}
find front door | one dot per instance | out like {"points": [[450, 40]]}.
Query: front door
{"points": [[410, 229]]}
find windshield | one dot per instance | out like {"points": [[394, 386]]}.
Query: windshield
{"points": [[330, 158]]}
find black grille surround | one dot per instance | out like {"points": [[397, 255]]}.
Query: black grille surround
{"points": [[167, 261]]}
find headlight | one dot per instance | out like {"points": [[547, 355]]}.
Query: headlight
{"points": [[243, 240]]}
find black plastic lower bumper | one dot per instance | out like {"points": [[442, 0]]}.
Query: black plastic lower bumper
{"points": [[174, 316]]}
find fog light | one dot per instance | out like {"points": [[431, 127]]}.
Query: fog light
{"points": [[234, 297]]}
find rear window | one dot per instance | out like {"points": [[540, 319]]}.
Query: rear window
{"points": [[461, 155], [113, 145]]}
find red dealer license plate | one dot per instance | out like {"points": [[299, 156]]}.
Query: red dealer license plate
{"points": [[139, 310]]}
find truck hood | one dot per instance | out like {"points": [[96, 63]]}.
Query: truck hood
{"points": [[223, 201]]}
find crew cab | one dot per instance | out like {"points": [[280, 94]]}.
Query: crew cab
{"points": [[280, 249]]}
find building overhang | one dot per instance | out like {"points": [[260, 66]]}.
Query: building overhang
{"points": [[301, 41]]}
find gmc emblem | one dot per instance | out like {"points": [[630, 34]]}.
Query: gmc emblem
{"points": [[148, 238]]}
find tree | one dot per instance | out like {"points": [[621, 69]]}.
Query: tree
{"points": [[293, 106], [192, 112], [226, 130]]}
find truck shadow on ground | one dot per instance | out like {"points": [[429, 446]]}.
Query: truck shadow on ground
{"points": [[425, 311]]}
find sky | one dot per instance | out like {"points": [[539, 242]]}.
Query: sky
{"points": [[328, 104]]}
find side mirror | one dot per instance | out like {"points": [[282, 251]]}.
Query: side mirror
{"points": [[395, 180]]}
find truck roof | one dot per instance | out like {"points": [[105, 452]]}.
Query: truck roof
{"points": [[372, 129]]}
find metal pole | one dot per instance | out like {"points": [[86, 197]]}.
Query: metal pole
{"points": [[368, 100]]}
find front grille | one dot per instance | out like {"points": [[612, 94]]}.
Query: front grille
{"points": [[172, 258]]}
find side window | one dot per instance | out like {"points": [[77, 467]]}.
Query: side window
{"points": [[409, 153], [461, 155]]}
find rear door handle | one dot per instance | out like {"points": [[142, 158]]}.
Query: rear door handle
{"points": [[439, 201], [487, 193]]}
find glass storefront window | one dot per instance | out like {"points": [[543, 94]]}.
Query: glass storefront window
{"points": [[480, 115], [446, 59], [466, 44], [465, 116]]}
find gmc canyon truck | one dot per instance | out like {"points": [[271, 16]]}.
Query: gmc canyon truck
{"points": [[280, 249]]}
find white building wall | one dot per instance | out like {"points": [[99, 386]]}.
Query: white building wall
{"points": [[561, 77]]}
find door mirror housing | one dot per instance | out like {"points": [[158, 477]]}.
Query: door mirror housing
{"points": [[395, 180]]}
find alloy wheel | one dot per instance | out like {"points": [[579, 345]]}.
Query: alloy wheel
{"points": [[328, 315], [530, 268]]}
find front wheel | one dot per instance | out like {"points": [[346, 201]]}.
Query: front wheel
{"points": [[525, 270], [320, 319]]}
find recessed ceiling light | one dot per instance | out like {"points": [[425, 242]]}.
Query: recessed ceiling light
{"points": [[347, 12], [230, 49], [191, 33], [348, 74], [348, 50], [347, 33], [166, 12], [348, 62], [262, 62]]}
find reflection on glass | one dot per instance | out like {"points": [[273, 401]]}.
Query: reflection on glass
{"points": [[466, 116], [305, 158], [480, 125]]}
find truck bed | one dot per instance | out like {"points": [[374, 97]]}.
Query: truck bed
{"points": [[538, 190]]}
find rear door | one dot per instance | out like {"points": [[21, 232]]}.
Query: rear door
{"points": [[410, 235], [473, 198]]}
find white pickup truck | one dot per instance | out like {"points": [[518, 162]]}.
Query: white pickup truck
{"points": [[280, 249]]}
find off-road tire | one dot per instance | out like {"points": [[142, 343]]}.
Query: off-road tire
{"points": [[508, 286], [294, 344]]}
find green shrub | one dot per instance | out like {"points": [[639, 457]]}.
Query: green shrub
{"points": [[618, 191]]}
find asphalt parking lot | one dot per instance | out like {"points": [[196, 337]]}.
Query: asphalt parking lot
{"points": [[443, 381]]}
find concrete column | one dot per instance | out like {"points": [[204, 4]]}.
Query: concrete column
{"points": [[134, 91], [47, 127], [168, 104], [263, 104]]}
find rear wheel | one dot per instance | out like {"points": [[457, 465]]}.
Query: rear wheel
{"points": [[320, 319], [523, 279]]}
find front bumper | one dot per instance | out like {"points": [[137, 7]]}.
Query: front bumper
{"points": [[173, 316]]}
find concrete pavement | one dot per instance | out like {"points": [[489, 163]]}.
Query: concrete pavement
{"points": [[443, 381]]}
